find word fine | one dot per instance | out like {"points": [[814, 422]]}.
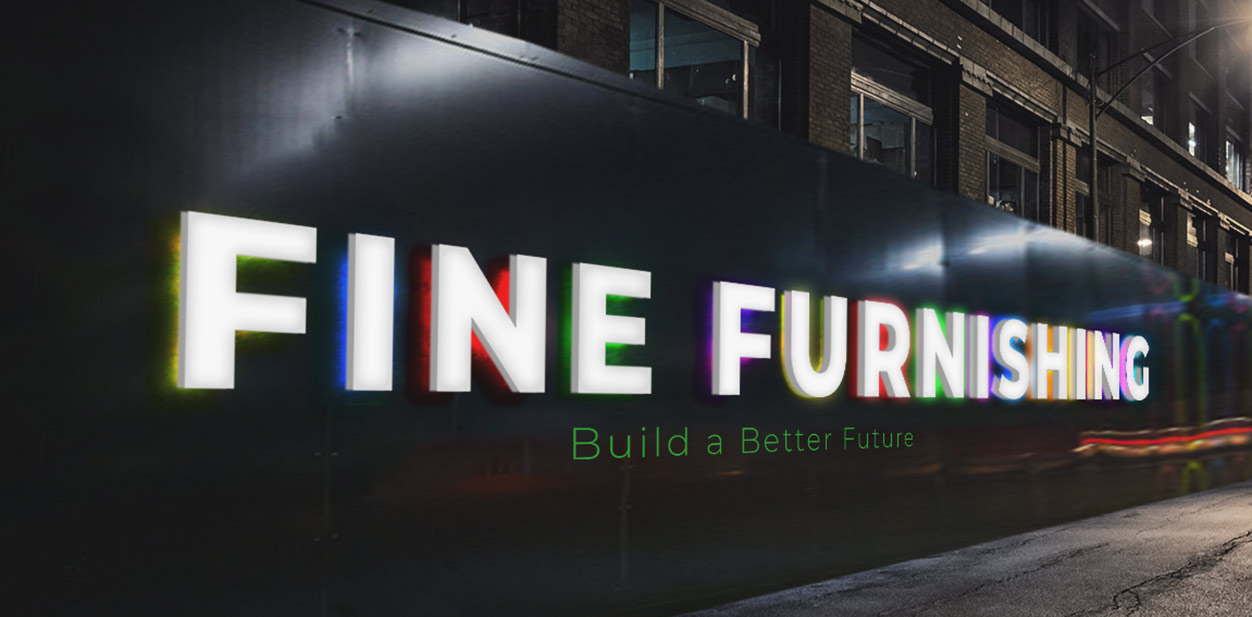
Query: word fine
{"points": [[953, 354]]}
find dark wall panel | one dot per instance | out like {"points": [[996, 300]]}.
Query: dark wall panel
{"points": [[289, 496]]}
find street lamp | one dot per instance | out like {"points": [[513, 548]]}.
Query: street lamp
{"points": [[1096, 110]]}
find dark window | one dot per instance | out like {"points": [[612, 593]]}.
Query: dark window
{"points": [[763, 92], [1095, 37], [1034, 17], [900, 141], [1013, 162], [447, 9], [1084, 221], [892, 70], [1231, 261], [1154, 96], [1013, 130], [1199, 128], [1012, 187], [891, 121], [501, 16], [643, 16], [703, 63], [924, 153], [1106, 220], [1234, 165], [888, 137], [1083, 162], [855, 132], [1147, 97], [531, 21], [1160, 10], [1197, 245], [1103, 213], [1152, 243]]}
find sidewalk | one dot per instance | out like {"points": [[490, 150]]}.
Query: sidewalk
{"points": [[1186, 556]]}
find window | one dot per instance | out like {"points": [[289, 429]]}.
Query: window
{"points": [[1198, 129], [1197, 245], [1160, 97], [1203, 49], [1152, 243], [899, 141], [1147, 97], [892, 123], [1013, 187], [899, 73], [1083, 162], [1231, 262], [1095, 37], [694, 59], [495, 15], [888, 136], [1013, 163], [1154, 94], [1084, 219], [1159, 10], [1234, 165], [643, 19], [1013, 130], [702, 63], [1034, 17], [1191, 19], [529, 21], [1105, 230], [1087, 219]]}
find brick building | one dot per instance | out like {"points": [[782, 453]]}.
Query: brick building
{"points": [[985, 98]]}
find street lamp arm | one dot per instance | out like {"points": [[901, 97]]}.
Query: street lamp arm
{"points": [[1144, 53], [1178, 42], [1095, 109], [1186, 41]]}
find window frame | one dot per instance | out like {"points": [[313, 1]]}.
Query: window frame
{"points": [[1023, 160], [1231, 259], [1156, 231], [745, 31], [1233, 143], [1200, 126], [863, 86], [1198, 241]]}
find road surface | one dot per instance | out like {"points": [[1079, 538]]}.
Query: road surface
{"points": [[1186, 556]]}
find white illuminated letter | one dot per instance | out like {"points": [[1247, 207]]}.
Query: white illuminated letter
{"points": [[1014, 385], [939, 353], [730, 343], [978, 355], [371, 306], [1078, 364], [209, 308], [1135, 389], [462, 301], [593, 328], [875, 359], [797, 364], [1049, 353], [1105, 365]]}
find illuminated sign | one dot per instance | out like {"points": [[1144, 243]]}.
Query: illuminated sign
{"points": [[959, 355]]}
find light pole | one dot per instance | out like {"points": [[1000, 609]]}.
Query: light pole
{"points": [[1097, 109]]}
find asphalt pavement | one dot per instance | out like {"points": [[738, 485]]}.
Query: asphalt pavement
{"points": [[1186, 556]]}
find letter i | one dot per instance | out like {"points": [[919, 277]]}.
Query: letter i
{"points": [[977, 354], [1078, 365]]}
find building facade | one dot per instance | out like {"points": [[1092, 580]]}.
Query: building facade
{"points": [[984, 98]]}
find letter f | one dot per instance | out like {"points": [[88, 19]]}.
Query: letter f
{"points": [[209, 308]]}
